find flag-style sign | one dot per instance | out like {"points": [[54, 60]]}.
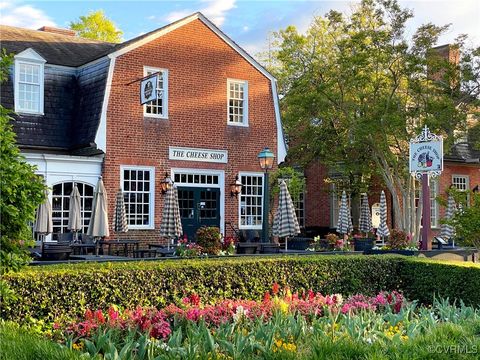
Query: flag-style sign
{"points": [[148, 89]]}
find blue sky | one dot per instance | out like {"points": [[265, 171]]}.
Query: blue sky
{"points": [[247, 22]]}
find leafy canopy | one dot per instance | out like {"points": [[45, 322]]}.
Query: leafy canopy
{"points": [[21, 191], [97, 26]]}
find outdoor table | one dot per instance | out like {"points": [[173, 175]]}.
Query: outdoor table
{"points": [[129, 246], [82, 249], [163, 250]]}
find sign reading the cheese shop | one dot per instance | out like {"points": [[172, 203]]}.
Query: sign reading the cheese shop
{"points": [[426, 154], [203, 155]]}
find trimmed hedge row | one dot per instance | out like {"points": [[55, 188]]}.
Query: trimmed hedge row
{"points": [[67, 290]]}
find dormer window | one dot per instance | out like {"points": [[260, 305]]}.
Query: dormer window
{"points": [[29, 82]]}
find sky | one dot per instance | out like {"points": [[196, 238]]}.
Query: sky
{"points": [[249, 23]]}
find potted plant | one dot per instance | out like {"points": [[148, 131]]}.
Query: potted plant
{"points": [[398, 242], [363, 243]]}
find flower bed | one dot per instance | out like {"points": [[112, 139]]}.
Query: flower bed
{"points": [[282, 325], [68, 290]]}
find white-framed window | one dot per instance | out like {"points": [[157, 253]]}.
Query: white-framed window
{"points": [[434, 206], [29, 82], [462, 183], [138, 186], [158, 108], [250, 206], [61, 202], [237, 102], [299, 204]]}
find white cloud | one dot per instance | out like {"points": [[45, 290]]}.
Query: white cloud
{"points": [[26, 16], [215, 10]]}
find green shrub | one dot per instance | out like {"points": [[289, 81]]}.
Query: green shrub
{"points": [[209, 239], [68, 290]]}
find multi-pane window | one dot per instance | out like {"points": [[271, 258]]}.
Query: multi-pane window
{"points": [[61, 202], [299, 203], [434, 207], [251, 202], [237, 102], [159, 107], [185, 178], [462, 183], [138, 190], [29, 87]]}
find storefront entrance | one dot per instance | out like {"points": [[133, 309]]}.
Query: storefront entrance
{"points": [[199, 206]]}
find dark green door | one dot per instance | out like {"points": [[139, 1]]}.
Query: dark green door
{"points": [[198, 207]]}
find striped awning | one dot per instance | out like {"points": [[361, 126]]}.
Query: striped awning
{"points": [[285, 223], [382, 230], [171, 225]]}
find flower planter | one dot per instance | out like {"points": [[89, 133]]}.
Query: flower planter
{"points": [[269, 248], [299, 243], [247, 248], [363, 244], [398, 252]]}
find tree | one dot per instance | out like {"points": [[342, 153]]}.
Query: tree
{"points": [[356, 89], [21, 191], [97, 26]]}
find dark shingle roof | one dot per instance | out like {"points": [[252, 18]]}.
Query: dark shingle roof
{"points": [[463, 152], [54, 48]]}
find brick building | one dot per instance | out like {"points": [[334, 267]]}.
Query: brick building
{"points": [[78, 117]]}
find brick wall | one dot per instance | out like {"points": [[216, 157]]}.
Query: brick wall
{"points": [[199, 63]]}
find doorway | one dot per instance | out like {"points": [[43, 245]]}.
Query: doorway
{"points": [[199, 206]]}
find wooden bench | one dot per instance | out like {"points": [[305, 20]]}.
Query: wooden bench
{"points": [[56, 251]]}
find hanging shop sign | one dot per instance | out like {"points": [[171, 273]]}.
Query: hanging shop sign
{"points": [[148, 89], [426, 154], [202, 155]]}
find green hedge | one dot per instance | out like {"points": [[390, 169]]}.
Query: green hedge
{"points": [[67, 290]]}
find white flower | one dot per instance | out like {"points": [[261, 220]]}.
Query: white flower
{"points": [[239, 313]]}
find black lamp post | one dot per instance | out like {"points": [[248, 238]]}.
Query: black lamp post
{"points": [[235, 187], [166, 184], [266, 158]]}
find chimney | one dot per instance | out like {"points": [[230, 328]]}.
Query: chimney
{"points": [[55, 30]]}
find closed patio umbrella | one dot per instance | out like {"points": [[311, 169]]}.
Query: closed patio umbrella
{"points": [[382, 230], [344, 224], [285, 223], [120, 224], [171, 225], [43, 221], [365, 223], [447, 230], [98, 226], [75, 213]]}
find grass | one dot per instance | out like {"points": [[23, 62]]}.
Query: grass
{"points": [[20, 344], [446, 341]]}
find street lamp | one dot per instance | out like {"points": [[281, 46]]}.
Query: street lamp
{"points": [[236, 187], [166, 184], [266, 158]]}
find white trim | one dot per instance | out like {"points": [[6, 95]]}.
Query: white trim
{"points": [[244, 123], [165, 92], [281, 145], [29, 57], [220, 185], [250, 227], [467, 181], [101, 136], [151, 204]]}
